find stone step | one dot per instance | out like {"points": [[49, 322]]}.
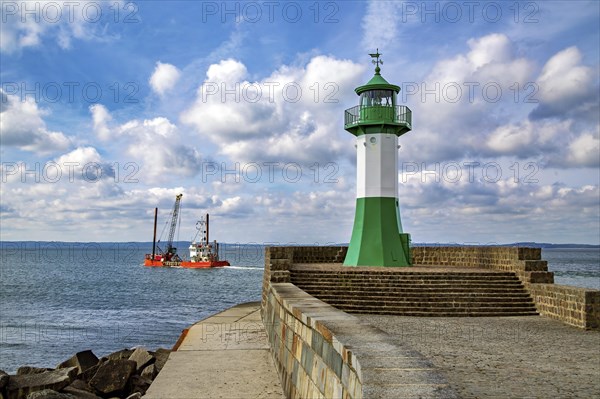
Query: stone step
{"points": [[408, 286], [429, 304], [397, 282], [418, 292], [460, 297], [446, 276], [307, 268], [427, 308], [370, 283], [416, 313]]}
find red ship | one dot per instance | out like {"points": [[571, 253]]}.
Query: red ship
{"points": [[203, 254]]}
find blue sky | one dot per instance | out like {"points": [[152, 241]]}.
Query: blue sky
{"points": [[112, 108]]}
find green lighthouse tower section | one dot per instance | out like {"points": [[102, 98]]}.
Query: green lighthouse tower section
{"points": [[377, 122]]}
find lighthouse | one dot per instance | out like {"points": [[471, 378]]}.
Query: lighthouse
{"points": [[377, 122]]}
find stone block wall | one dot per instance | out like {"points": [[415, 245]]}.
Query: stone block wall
{"points": [[310, 361], [526, 263], [579, 307]]}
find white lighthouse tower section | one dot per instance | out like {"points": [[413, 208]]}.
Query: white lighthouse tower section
{"points": [[377, 165]]}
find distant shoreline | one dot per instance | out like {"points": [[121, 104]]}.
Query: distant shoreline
{"points": [[542, 245]]}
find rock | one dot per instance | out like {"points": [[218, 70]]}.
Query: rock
{"points": [[3, 380], [139, 384], [161, 356], [122, 354], [89, 373], [27, 370], [80, 385], [19, 386], [149, 372], [82, 360], [142, 358], [49, 394], [135, 395], [80, 393], [112, 376]]}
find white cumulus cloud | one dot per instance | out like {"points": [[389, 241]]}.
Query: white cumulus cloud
{"points": [[566, 86], [101, 117], [164, 78], [585, 151], [294, 114], [22, 126]]}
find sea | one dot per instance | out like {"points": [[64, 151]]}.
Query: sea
{"points": [[57, 299]]}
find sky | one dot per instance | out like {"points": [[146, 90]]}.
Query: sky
{"points": [[109, 109]]}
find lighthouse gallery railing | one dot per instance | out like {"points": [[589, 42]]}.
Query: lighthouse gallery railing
{"points": [[360, 114]]}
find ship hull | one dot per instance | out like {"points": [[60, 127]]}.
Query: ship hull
{"points": [[186, 264]]}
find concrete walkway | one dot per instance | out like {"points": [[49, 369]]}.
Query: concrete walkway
{"points": [[503, 357], [224, 356]]}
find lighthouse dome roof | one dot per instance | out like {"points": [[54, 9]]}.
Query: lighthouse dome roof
{"points": [[377, 82]]}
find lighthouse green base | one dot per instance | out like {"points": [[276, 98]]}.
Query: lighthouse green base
{"points": [[377, 237]]}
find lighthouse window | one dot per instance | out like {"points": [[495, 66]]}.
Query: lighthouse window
{"points": [[372, 98]]}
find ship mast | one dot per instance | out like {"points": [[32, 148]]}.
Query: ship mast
{"points": [[154, 238]]}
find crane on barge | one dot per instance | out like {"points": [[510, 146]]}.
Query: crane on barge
{"points": [[170, 254]]}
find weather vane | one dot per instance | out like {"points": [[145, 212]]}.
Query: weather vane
{"points": [[376, 61]]}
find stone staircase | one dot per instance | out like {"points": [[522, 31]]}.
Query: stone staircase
{"points": [[419, 292]]}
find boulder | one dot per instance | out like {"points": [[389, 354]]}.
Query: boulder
{"points": [[19, 386], [112, 376], [161, 356], [80, 393], [26, 370], [149, 372], [49, 394], [3, 379], [82, 360], [122, 354], [139, 384], [81, 385], [89, 373], [142, 358]]}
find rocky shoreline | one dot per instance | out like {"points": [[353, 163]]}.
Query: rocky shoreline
{"points": [[125, 374]]}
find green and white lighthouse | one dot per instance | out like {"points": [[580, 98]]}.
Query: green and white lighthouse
{"points": [[377, 122]]}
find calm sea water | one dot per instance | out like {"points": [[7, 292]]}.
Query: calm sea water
{"points": [[58, 299], [578, 267]]}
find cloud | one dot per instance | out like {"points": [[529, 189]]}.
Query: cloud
{"points": [[529, 139], [84, 163], [156, 144], [101, 117], [464, 97], [155, 147], [491, 59], [585, 151], [164, 78], [566, 87], [27, 25], [380, 24], [22, 126], [486, 209], [272, 118]]}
